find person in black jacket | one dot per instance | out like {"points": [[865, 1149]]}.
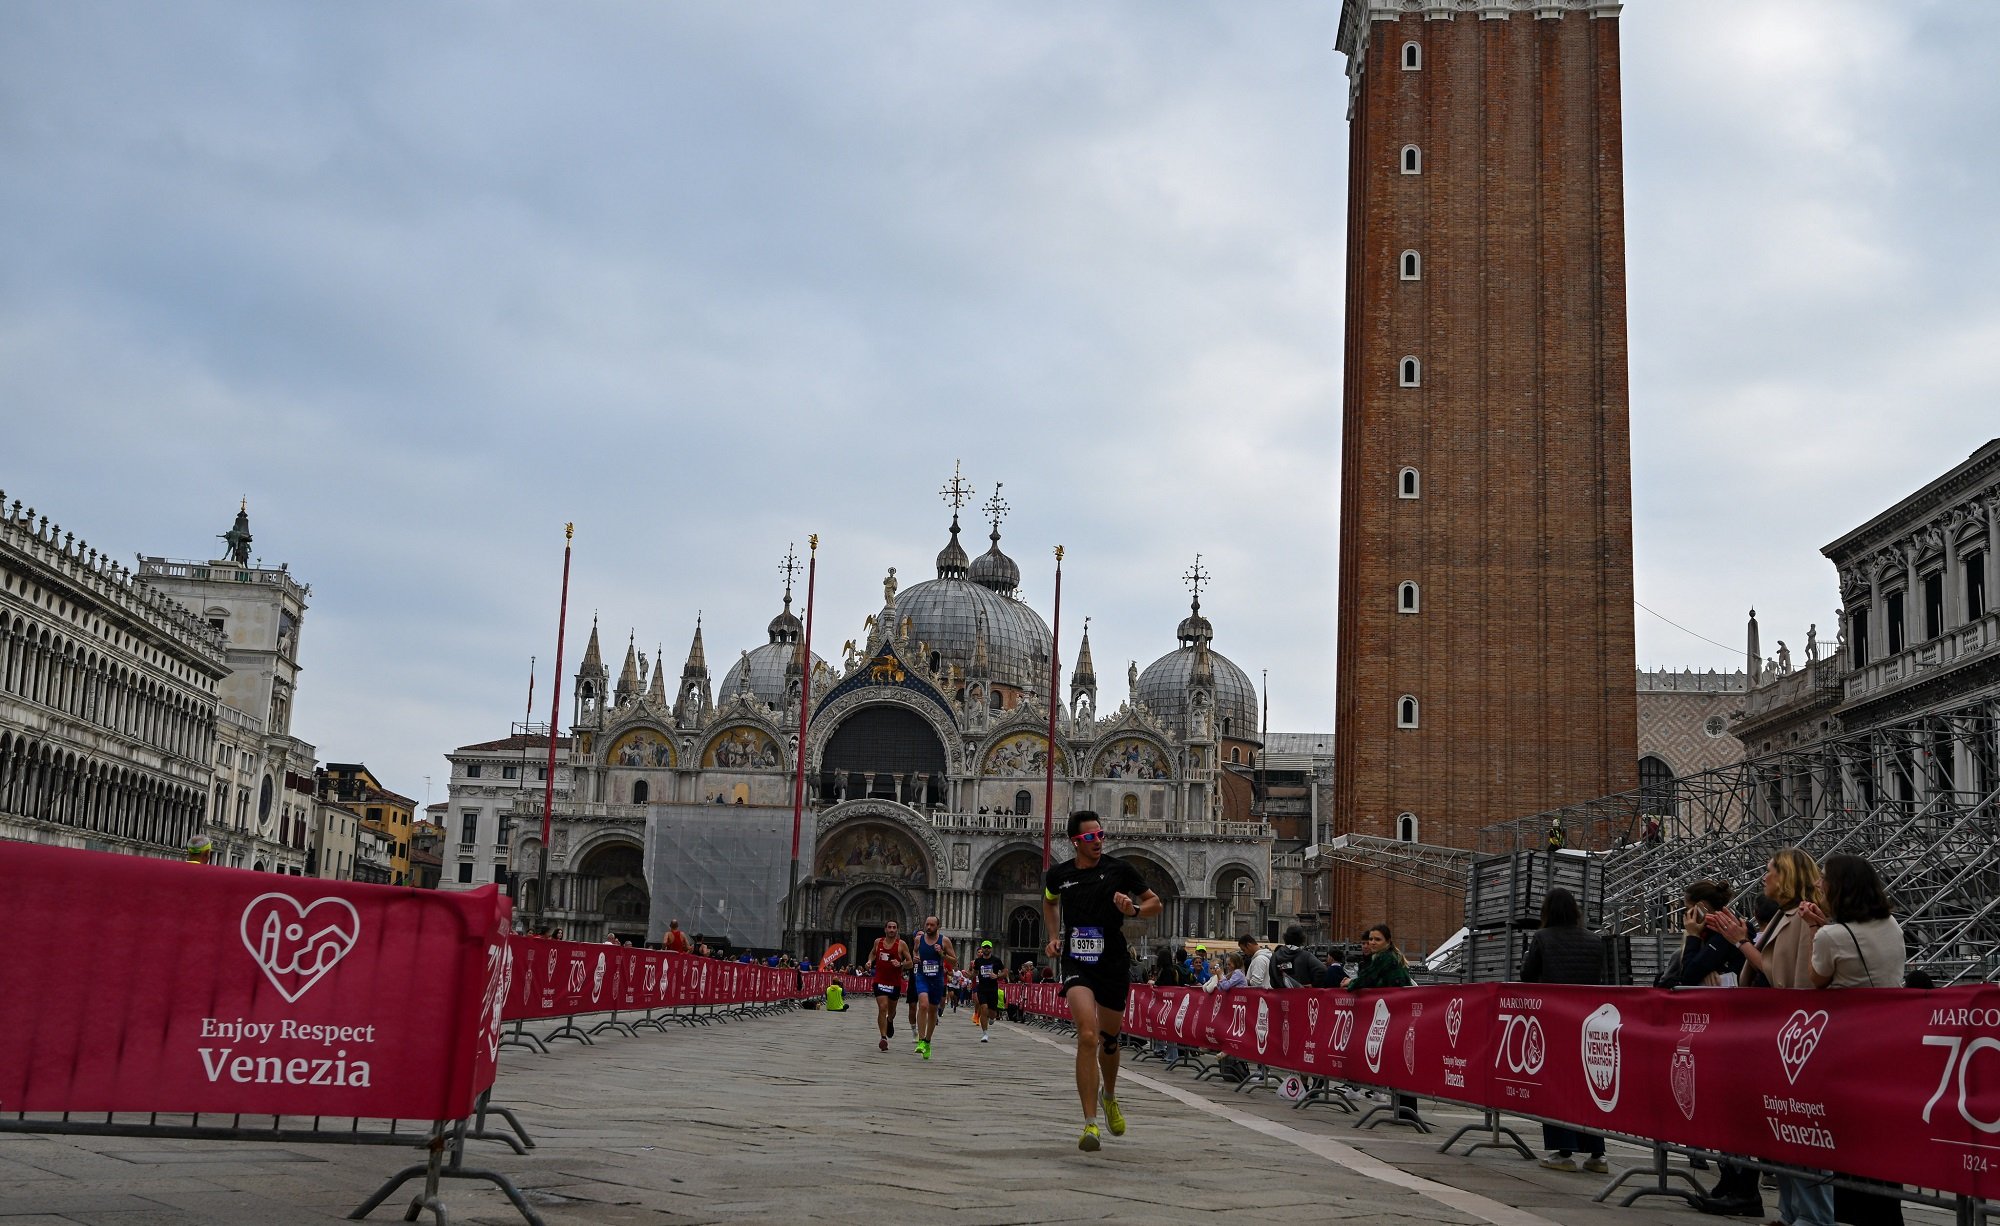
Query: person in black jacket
{"points": [[1563, 952]]}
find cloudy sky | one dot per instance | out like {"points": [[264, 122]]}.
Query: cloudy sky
{"points": [[425, 281]]}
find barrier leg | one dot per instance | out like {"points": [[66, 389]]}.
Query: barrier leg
{"points": [[519, 1037], [1325, 1091], [431, 1169], [1495, 1130], [569, 1030], [1660, 1172], [479, 1131], [613, 1024], [1392, 1112]]}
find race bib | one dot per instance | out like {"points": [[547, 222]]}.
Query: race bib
{"points": [[1086, 944], [986, 972], [933, 968]]}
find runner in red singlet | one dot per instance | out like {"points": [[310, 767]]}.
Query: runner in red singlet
{"points": [[887, 962]]}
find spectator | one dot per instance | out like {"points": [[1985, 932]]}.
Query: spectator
{"points": [[1293, 966], [1562, 952], [1256, 961], [1706, 959], [1783, 959], [1383, 966], [1233, 977], [1199, 969], [1166, 973]]}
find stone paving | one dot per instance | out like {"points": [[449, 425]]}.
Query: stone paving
{"points": [[800, 1118]]}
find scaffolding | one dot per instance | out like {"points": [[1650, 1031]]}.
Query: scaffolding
{"points": [[1918, 797]]}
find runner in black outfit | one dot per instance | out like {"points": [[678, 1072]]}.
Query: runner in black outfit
{"points": [[1085, 904], [987, 972]]}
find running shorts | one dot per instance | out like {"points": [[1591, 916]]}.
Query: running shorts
{"points": [[931, 985], [892, 991], [1110, 983]]}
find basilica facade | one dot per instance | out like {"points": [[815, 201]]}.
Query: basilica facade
{"points": [[926, 755]]}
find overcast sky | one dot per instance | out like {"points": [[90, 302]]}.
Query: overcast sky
{"points": [[425, 281]]}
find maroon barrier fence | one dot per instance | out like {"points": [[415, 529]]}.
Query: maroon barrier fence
{"points": [[132, 984], [567, 978], [1884, 1084]]}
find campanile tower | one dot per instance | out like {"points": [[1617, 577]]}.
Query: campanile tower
{"points": [[1486, 662]]}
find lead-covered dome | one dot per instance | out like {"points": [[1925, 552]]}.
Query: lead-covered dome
{"points": [[1163, 686], [767, 666], [948, 614]]}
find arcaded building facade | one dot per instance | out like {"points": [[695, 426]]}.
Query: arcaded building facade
{"points": [[1486, 647]]}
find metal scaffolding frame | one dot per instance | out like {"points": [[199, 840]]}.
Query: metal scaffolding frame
{"points": [[1918, 797]]}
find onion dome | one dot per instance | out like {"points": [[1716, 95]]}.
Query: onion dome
{"points": [[951, 560], [766, 670], [995, 570]]}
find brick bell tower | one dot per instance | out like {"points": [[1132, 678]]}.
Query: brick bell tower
{"points": [[1486, 662]]}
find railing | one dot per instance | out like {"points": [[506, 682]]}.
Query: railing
{"points": [[210, 573], [1953, 649], [226, 714]]}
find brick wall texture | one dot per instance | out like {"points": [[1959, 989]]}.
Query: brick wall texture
{"points": [[1521, 657]]}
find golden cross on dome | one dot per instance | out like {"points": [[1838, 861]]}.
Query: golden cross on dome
{"points": [[957, 492]]}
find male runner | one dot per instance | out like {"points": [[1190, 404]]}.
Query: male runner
{"points": [[987, 970], [934, 957], [886, 962], [1085, 904]]}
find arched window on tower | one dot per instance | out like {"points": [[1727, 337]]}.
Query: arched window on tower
{"points": [[640, 792], [1410, 373], [1406, 711], [1413, 160], [1406, 597], [1657, 786], [1407, 484], [1406, 827], [1413, 57], [1413, 266]]}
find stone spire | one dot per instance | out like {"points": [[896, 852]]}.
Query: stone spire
{"points": [[1083, 681], [696, 698], [628, 677], [1754, 651], [591, 683], [593, 657], [656, 689]]}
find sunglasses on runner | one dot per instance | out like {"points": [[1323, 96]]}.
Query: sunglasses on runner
{"points": [[1088, 836]]}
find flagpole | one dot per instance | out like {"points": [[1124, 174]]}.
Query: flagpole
{"points": [[795, 941], [1055, 673], [555, 717]]}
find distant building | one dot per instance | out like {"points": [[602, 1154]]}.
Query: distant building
{"points": [[374, 854], [426, 843], [1684, 728], [488, 779], [108, 698], [263, 807], [391, 813], [335, 848]]}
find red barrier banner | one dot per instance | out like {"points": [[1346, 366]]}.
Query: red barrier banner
{"points": [[134, 984], [566, 978], [1887, 1084]]}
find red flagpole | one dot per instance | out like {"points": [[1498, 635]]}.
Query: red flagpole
{"points": [[555, 715], [1055, 675], [799, 766]]}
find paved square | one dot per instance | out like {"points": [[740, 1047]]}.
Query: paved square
{"points": [[799, 1118]]}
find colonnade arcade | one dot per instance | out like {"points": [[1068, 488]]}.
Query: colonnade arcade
{"points": [[46, 783], [42, 666]]}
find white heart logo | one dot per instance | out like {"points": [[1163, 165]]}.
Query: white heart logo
{"points": [[294, 953], [1798, 1038], [1454, 1018], [500, 978]]}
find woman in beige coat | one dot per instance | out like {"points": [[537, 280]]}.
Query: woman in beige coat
{"points": [[1782, 958]]}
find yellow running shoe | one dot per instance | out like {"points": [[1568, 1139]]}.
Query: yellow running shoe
{"points": [[1088, 1141], [1114, 1117]]}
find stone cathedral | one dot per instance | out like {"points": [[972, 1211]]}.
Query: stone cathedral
{"points": [[924, 783]]}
